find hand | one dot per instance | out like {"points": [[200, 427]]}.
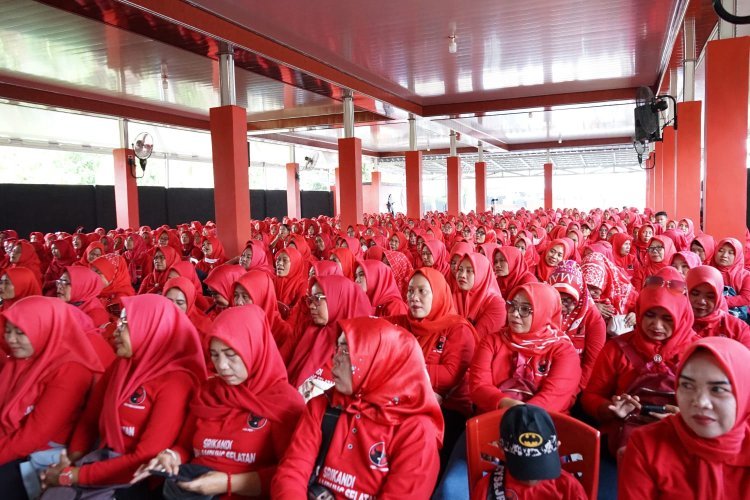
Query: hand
{"points": [[630, 319], [671, 410], [606, 310], [210, 483], [624, 405], [51, 476], [164, 461]]}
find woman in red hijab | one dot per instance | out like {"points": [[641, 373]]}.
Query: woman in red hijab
{"points": [[256, 257], [384, 394], [45, 380], [248, 404], [256, 287], [435, 256], [401, 268], [645, 233], [639, 368], [23, 254], [558, 250], [220, 284], [185, 269], [290, 281], [346, 260], [477, 296], [181, 292], [331, 298], [660, 251], [325, 268], [166, 237], [15, 284], [459, 249], [684, 261], [705, 246], [164, 258], [712, 319], [63, 255], [113, 271], [138, 408], [511, 269], [213, 256], [93, 251], [81, 287], [377, 281], [704, 450], [137, 256], [623, 254], [730, 262]]}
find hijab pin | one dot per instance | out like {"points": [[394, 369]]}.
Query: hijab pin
{"points": [[658, 358]]}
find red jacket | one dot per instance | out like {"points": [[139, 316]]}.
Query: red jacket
{"points": [[492, 318], [54, 414], [566, 487], [365, 458], [162, 403], [588, 340], [727, 326], [657, 465], [556, 375]]}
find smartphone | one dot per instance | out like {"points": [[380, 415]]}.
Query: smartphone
{"points": [[648, 409], [161, 473]]}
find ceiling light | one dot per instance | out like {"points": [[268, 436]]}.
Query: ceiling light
{"points": [[452, 45]]}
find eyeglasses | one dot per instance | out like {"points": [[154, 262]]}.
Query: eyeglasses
{"points": [[676, 286], [655, 249], [122, 322], [62, 283], [522, 309], [314, 299]]}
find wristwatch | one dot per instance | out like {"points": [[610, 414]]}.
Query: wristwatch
{"points": [[66, 477]]}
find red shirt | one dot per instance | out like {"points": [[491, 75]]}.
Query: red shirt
{"points": [[565, 487], [492, 318], [365, 458], [52, 417], [556, 375], [588, 340], [161, 403], [727, 326], [657, 465]]}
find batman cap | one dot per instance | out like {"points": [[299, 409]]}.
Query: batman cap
{"points": [[529, 440]]}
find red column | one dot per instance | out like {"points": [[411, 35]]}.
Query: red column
{"points": [[547, 186], [658, 173], [414, 184], [350, 177], [454, 185], [293, 206], [337, 193], [669, 157], [650, 181], [688, 195], [373, 203], [231, 176], [726, 126], [480, 169], [126, 189]]}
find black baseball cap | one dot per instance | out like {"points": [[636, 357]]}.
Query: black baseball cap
{"points": [[529, 440]]}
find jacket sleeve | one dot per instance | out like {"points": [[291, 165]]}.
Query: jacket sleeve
{"points": [[484, 394], [560, 386], [56, 409], [282, 433], [596, 333], [454, 361], [87, 428], [743, 294], [492, 318], [635, 471], [162, 429], [413, 463], [602, 383]]}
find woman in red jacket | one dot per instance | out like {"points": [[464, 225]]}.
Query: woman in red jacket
{"points": [[138, 408], [377, 281], [511, 269], [15, 284], [220, 284], [113, 271], [242, 420], [730, 261], [256, 287], [712, 319], [660, 251], [45, 380], [181, 292], [639, 367], [213, 256], [704, 451], [164, 258], [385, 443], [290, 280], [477, 295]]}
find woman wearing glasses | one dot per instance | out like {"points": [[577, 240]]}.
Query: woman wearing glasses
{"points": [[80, 286], [476, 294], [729, 260], [633, 379], [660, 251], [138, 407], [220, 284], [331, 298], [164, 258]]}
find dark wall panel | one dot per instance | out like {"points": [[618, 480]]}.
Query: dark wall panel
{"points": [[104, 210], [46, 208], [275, 204], [257, 204], [152, 205], [187, 205], [316, 203]]}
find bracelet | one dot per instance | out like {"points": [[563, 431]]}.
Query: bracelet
{"points": [[229, 484], [172, 454]]}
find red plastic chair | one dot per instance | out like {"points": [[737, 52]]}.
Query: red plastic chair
{"points": [[579, 450]]}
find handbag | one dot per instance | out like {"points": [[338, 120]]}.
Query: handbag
{"points": [[316, 491]]}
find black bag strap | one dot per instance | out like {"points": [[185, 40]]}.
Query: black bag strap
{"points": [[496, 486], [327, 425]]}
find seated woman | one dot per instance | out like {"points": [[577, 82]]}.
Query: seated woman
{"points": [[685, 261], [138, 408], [581, 320], [63, 255], [15, 284], [45, 381], [660, 251], [93, 251], [137, 256], [702, 452], [248, 405], [511, 269], [220, 284], [729, 260], [639, 367], [256, 287], [23, 254], [377, 281], [331, 298], [642, 241], [624, 256], [345, 260], [290, 281], [477, 295], [557, 251], [113, 271], [181, 292], [324, 268], [434, 255], [705, 286], [164, 258], [256, 257], [530, 360], [402, 269], [705, 246], [81, 287], [611, 291], [184, 269], [394, 451]]}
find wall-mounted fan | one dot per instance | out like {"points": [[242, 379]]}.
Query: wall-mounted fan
{"points": [[311, 161], [647, 126], [142, 147]]}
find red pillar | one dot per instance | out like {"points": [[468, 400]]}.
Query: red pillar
{"points": [[658, 173], [337, 193], [650, 181], [293, 206], [547, 186], [374, 204], [350, 177], [727, 92], [480, 169], [669, 172], [688, 195], [414, 184], [126, 189], [231, 176], [454, 185]]}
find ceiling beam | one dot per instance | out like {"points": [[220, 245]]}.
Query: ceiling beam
{"points": [[312, 143], [575, 143], [361, 118]]}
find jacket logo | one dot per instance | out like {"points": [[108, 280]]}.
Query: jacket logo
{"points": [[378, 457], [530, 440], [255, 422], [138, 397]]}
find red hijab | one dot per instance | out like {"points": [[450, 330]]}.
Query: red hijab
{"points": [[94, 245], [625, 262], [472, 303], [115, 270], [389, 381], [568, 278], [707, 275], [545, 321], [221, 279], [185, 269], [67, 257], [259, 286], [439, 257], [163, 341], [347, 260], [708, 244], [518, 270], [544, 270], [57, 339], [199, 319], [734, 274], [24, 283], [649, 267], [290, 288], [85, 288], [29, 259], [402, 269], [381, 285], [266, 391], [344, 299], [326, 268], [261, 259]]}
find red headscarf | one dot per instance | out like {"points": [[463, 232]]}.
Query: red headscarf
{"points": [[221, 279], [217, 256], [67, 257], [472, 303], [29, 259], [290, 288], [259, 286], [439, 257], [649, 267], [545, 321], [625, 262], [401, 268], [381, 285], [173, 239], [260, 260], [733, 275], [354, 246], [115, 270], [85, 288], [94, 245], [389, 381], [344, 299], [347, 260], [518, 270], [544, 270], [300, 243], [163, 341], [154, 282], [327, 268], [199, 319], [185, 269], [678, 238], [733, 447], [568, 278], [266, 391], [24, 283], [708, 244], [600, 272], [57, 339]]}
